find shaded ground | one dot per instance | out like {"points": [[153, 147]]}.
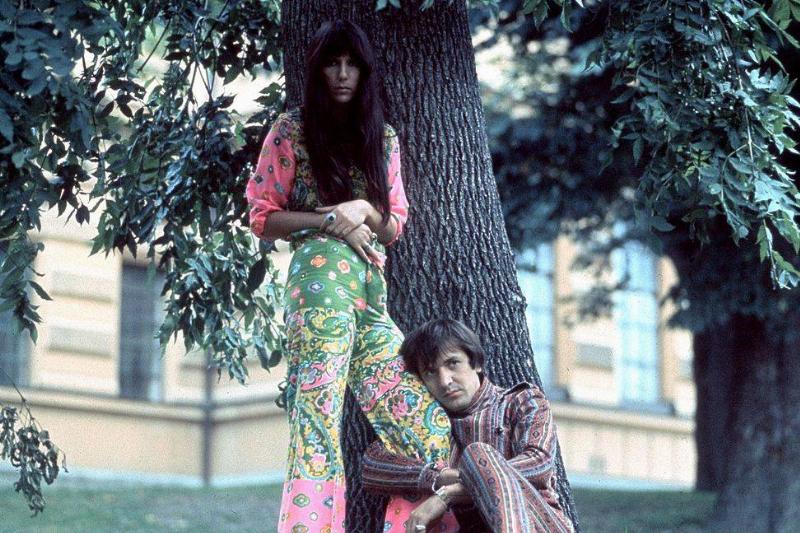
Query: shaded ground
{"points": [[631, 512], [146, 509]]}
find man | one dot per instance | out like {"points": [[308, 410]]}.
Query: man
{"points": [[501, 476]]}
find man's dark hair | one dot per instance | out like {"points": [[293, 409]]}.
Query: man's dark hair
{"points": [[424, 345]]}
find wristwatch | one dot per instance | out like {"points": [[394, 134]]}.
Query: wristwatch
{"points": [[441, 492]]}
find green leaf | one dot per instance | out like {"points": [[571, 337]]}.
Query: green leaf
{"points": [[638, 145], [742, 232], [82, 214], [661, 224], [274, 358], [6, 126], [18, 158], [764, 240], [106, 110], [39, 290], [257, 273], [566, 14]]}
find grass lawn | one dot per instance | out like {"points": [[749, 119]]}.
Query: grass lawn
{"points": [[645, 512], [140, 509]]}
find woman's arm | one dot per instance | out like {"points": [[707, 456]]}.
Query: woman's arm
{"points": [[279, 224], [269, 187], [398, 203], [386, 232], [353, 213]]}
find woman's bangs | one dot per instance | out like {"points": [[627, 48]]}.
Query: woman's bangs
{"points": [[340, 43]]}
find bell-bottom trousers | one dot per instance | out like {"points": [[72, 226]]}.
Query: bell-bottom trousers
{"points": [[340, 335]]}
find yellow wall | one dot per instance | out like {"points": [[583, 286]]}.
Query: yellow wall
{"points": [[74, 389]]}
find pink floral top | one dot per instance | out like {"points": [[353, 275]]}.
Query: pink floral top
{"points": [[283, 179]]}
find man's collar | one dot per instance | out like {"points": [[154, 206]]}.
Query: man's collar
{"points": [[487, 394]]}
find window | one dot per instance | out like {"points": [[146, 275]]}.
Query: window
{"points": [[13, 346], [636, 313], [140, 317], [13, 352], [535, 273]]}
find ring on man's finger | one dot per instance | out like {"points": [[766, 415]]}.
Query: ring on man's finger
{"points": [[330, 217]]}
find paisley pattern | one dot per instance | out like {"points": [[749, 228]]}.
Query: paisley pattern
{"points": [[340, 334]]}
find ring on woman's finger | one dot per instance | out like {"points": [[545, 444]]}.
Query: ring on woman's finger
{"points": [[330, 217], [374, 236], [419, 527]]}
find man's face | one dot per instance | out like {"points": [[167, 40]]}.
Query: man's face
{"points": [[452, 381]]}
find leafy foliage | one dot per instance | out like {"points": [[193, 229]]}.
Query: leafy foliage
{"points": [[554, 123], [119, 108], [174, 179], [710, 106], [83, 104], [28, 448]]}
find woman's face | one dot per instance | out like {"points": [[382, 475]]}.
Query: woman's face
{"points": [[341, 74]]}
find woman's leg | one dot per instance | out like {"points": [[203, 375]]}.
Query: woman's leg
{"points": [[320, 341], [401, 410], [320, 327]]}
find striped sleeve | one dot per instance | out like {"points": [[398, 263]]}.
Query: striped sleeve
{"points": [[388, 473], [534, 436]]}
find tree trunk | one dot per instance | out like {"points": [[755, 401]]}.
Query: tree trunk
{"points": [[748, 392], [454, 258], [717, 360], [757, 457]]}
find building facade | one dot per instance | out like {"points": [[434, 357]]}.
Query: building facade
{"points": [[621, 388]]}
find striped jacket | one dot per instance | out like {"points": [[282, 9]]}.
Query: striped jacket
{"points": [[517, 422]]}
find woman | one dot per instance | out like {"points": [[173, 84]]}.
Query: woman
{"points": [[328, 179]]}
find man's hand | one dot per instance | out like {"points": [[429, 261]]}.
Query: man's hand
{"points": [[448, 476], [431, 509]]}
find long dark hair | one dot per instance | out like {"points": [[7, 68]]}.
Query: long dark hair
{"points": [[334, 147]]}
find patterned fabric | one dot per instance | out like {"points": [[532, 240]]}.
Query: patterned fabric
{"points": [[517, 423], [283, 177], [340, 334], [505, 499]]}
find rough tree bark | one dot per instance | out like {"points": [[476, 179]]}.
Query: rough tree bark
{"points": [[748, 394], [716, 362], [755, 468], [454, 259]]}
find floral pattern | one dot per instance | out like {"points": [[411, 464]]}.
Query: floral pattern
{"points": [[340, 334]]}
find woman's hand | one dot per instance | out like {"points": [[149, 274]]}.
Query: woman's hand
{"points": [[346, 216], [431, 509], [361, 239]]}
